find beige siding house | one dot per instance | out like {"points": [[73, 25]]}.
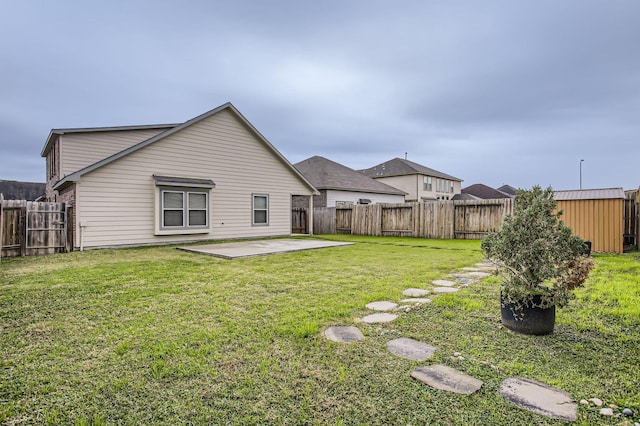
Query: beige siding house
{"points": [[419, 182], [212, 177], [341, 186]]}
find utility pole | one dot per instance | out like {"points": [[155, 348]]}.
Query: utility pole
{"points": [[581, 173]]}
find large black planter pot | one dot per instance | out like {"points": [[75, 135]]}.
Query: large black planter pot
{"points": [[527, 319]]}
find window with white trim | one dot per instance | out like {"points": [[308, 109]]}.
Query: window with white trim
{"points": [[428, 186], [184, 209], [260, 209]]}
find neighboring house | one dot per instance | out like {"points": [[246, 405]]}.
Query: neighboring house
{"points": [[341, 186], [508, 189], [14, 190], [212, 177], [419, 182], [596, 215], [484, 192]]}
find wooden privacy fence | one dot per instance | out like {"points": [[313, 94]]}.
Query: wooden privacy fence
{"points": [[30, 228], [438, 219]]}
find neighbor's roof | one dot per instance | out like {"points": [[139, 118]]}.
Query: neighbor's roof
{"points": [[75, 177], [400, 167], [57, 132], [327, 174], [507, 189], [589, 194], [484, 192]]}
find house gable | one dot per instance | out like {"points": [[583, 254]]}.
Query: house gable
{"points": [[118, 199]]}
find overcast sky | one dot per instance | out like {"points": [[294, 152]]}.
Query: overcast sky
{"points": [[493, 92]]}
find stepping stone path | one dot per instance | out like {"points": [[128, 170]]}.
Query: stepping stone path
{"points": [[447, 379], [445, 289], [415, 292], [382, 306], [540, 398], [444, 283], [525, 393], [378, 318], [410, 349], [344, 334], [416, 300]]}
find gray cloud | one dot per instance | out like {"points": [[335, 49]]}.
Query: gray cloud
{"points": [[493, 92]]}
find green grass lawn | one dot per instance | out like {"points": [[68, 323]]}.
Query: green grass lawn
{"points": [[159, 336]]}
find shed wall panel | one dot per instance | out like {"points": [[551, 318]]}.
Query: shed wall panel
{"points": [[599, 221]]}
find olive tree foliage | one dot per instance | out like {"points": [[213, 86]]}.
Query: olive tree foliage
{"points": [[536, 252]]}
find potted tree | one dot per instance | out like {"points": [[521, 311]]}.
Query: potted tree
{"points": [[540, 262]]}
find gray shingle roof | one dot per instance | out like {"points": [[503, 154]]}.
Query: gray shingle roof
{"points": [[484, 192], [400, 167], [589, 194], [327, 174]]}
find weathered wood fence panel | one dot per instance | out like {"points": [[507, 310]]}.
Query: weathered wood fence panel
{"points": [[299, 220], [466, 219], [631, 232], [343, 220], [324, 220], [29, 228]]}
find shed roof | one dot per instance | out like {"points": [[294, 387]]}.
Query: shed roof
{"points": [[400, 167], [326, 174], [589, 194]]}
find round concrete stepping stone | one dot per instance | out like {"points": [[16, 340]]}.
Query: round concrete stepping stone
{"points": [[382, 306], [463, 280], [540, 398], [445, 290], [344, 334], [410, 349], [447, 379], [416, 300], [471, 268], [378, 318], [415, 292], [444, 283], [479, 274]]}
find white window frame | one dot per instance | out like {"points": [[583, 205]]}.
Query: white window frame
{"points": [[427, 183], [185, 209], [254, 210]]}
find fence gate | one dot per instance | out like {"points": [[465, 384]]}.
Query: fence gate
{"points": [[299, 220], [30, 228]]}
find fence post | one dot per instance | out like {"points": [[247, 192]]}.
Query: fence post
{"points": [[23, 226]]}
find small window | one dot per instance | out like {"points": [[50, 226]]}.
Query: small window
{"points": [[428, 186], [260, 209]]}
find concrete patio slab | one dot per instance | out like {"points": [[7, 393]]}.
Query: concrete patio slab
{"points": [[344, 334], [540, 398], [410, 349], [260, 247], [447, 379]]}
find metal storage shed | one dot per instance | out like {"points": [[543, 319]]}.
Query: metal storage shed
{"points": [[595, 215]]}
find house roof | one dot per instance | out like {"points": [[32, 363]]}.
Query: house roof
{"points": [[484, 192], [327, 174], [57, 132], [508, 189], [75, 177], [16, 190], [400, 167], [589, 194]]}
